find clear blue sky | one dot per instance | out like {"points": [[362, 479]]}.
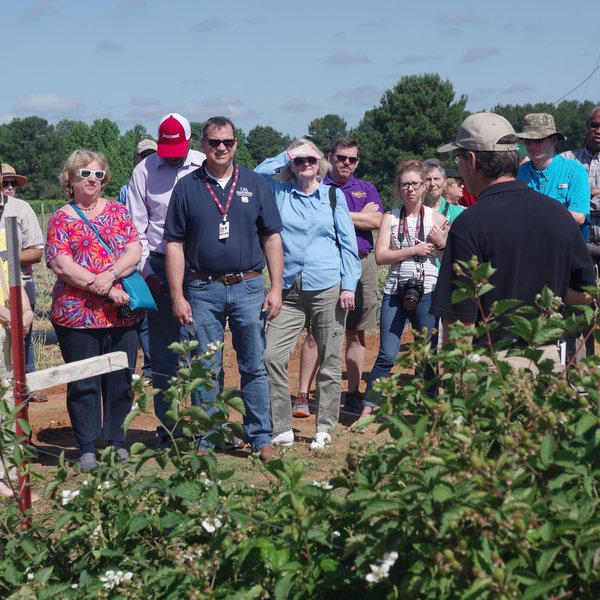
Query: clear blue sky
{"points": [[284, 63]]}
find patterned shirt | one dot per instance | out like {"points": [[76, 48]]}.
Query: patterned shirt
{"points": [[69, 235], [591, 162]]}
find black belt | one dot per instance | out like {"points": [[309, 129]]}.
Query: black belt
{"points": [[157, 254], [364, 253], [227, 278]]}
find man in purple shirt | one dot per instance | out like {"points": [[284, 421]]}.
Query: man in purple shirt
{"points": [[149, 194], [366, 211]]}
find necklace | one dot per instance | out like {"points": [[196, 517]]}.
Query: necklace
{"points": [[90, 207]]}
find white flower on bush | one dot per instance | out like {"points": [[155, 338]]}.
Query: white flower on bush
{"points": [[97, 533], [67, 496], [191, 554], [458, 421], [475, 357], [335, 534], [105, 485], [381, 570], [112, 579], [30, 576], [134, 406], [324, 485], [212, 524]]}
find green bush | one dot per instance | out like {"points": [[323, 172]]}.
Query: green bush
{"points": [[490, 490]]}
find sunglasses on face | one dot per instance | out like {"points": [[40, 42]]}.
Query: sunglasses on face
{"points": [[595, 125], [216, 143], [87, 173], [343, 158], [9, 183], [300, 160]]}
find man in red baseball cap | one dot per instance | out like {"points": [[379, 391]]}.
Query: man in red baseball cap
{"points": [[149, 195]]}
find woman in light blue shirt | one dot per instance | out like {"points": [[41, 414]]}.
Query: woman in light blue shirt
{"points": [[320, 272]]}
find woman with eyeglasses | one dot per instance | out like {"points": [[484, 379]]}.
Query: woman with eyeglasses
{"points": [[411, 236], [320, 272], [90, 312]]}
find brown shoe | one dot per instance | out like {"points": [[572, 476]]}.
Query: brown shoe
{"points": [[37, 397], [267, 453]]}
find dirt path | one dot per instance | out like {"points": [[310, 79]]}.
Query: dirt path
{"points": [[52, 431]]}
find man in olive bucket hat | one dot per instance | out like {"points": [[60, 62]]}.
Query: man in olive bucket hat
{"points": [[551, 174]]}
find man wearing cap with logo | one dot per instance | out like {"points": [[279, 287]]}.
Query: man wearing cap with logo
{"points": [[554, 175], [32, 246], [223, 222], [366, 210], [529, 238], [149, 194]]}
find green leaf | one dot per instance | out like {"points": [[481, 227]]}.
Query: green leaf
{"points": [[190, 490], [283, 586], [546, 450], [543, 587], [236, 403], [585, 423], [138, 523], [545, 560], [442, 492]]}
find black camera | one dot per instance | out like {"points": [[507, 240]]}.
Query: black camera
{"points": [[412, 292], [124, 312]]}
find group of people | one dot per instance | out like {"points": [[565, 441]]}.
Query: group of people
{"points": [[201, 229]]}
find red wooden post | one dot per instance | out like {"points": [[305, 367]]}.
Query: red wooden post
{"points": [[18, 354]]}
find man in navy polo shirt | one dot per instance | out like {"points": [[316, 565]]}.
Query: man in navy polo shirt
{"points": [[366, 211], [222, 222]]}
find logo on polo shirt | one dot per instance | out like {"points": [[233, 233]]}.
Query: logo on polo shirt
{"points": [[244, 193], [358, 194]]}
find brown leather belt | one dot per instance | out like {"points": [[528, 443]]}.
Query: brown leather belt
{"points": [[227, 279], [364, 253]]}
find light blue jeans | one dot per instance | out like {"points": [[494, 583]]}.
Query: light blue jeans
{"points": [[391, 327], [241, 304]]}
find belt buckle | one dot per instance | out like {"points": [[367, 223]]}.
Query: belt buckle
{"points": [[231, 278]]}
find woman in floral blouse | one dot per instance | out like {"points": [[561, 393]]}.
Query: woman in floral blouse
{"points": [[89, 306]]}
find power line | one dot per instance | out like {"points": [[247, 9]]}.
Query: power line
{"points": [[576, 87]]}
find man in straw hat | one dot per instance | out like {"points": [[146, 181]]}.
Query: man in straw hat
{"points": [[556, 176], [530, 239]]}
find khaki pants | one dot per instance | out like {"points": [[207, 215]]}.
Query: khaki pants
{"points": [[322, 310]]}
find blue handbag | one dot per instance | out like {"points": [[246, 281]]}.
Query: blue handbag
{"points": [[140, 296]]}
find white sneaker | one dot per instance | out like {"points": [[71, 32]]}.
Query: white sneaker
{"points": [[321, 442], [285, 438]]}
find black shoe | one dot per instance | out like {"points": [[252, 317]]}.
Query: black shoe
{"points": [[353, 403]]}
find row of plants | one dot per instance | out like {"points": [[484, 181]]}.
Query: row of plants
{"points": [[490, 490]]}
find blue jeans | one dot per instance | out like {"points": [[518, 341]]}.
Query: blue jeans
{"points": [[241, 303], [163, 330], [391, 328], [144, 343]]}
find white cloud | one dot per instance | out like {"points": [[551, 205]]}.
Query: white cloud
{"points": [[296, 105], [105, 46], [518, 88], [360, 95], [347, 58], [464, 18], [208, 25], [49, 103], [413, 59], [480, 53], [227, 106], [39, 9]]}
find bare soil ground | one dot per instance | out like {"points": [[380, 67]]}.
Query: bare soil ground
{"points": [[52, 433]]}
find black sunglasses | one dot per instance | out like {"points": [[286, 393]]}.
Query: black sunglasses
{"points": [[343, 158], [217, 143], [594, 125], [9, 183], [300, 160]]}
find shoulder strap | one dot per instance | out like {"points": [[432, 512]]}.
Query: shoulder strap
{"points": [[92, 227], [333, 204], [446, 208]]}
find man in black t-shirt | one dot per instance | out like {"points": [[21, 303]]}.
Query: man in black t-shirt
{"points": [[529, 238]]}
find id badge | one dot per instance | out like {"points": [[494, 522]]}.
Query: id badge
{"points": [[224, 230]]}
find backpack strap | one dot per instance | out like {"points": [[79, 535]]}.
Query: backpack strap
{"points": [[333, 204]]}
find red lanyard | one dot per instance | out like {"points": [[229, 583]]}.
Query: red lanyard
{"points": [[403, 223], [225, 210]]}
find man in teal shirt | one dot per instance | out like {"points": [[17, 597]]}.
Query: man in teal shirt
{"points": [[551, 174]]}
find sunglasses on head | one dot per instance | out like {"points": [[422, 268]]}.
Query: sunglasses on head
{"points": [[300, 160], [343, 158], [217, 143], [9, 183], [87, 173]]}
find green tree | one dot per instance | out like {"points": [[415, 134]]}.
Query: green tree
{"points": [[74, 135], [242, 154], [34, 149], [264, 141], [415, 117], [196, 127], [325, 130], [570, 117], [104, 137]]}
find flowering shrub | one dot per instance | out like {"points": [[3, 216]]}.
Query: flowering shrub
{"points": [[490, 490]]}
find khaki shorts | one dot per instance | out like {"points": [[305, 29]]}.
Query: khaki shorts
{"points": [[367, 298]]}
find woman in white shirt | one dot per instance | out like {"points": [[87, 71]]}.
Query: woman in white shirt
{"points": [[411, 236]]}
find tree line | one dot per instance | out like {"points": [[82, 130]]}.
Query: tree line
{"points": [[412, 119]]}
